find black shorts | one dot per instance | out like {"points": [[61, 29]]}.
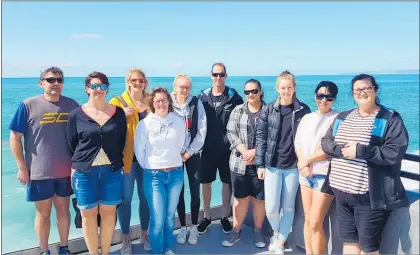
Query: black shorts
{"points": [[247, 185], [358, 223], [210, 165]]}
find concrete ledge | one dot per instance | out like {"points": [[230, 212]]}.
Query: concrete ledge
{"points": [[79, 245]]}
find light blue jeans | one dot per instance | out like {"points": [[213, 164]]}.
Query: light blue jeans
{"points": [[124, 211], [162, 190], [280, 188]]}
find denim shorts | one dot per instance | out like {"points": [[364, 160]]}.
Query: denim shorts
{"points": [[314, 182], [100, 185], [38, 190], [358, 223]]}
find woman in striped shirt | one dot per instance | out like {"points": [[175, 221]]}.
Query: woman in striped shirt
{"points": [[367, 145]]}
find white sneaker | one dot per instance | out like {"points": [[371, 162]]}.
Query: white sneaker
{"points": [[280, 250], [146, 244], [169, 252], [274, 242], [126, 246], [193, 237], [182, 235]]}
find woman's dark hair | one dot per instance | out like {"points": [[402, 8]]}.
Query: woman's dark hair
{"points": [[258, 84], [153, 95], [331, 86], [372, 81], [102, 77]]}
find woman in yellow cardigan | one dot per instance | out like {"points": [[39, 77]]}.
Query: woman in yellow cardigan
{"points": [[134, 102]]}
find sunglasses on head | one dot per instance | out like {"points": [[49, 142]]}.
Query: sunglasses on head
{"points": [[102, 86], [322, 96], [215, 75], [252, 91], [53, 80]]}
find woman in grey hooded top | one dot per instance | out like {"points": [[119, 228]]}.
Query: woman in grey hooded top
{"points": [[191, 109]]}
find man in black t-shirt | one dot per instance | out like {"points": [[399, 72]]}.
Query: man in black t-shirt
{"points": [[218, 101]]}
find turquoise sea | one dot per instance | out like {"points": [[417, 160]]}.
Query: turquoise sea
{"points": [[397, 91]]}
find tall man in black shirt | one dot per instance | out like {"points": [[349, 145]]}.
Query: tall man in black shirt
{"points": [[218, 101]]}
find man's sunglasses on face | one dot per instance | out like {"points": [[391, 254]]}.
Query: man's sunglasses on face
{"points": [[53, 80], [221, 75]]}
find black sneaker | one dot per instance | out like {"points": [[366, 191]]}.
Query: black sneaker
{"points": [[203, 225], [226, 226]]}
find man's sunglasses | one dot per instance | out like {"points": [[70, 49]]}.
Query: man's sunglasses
{"points": [[221, 75], [53, 80], [102, 86], [252, 91], [322, 96]]}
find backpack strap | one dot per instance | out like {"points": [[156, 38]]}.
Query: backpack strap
{"points": [[193, 104], [122, 101]]}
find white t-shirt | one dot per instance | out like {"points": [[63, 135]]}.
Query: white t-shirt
{"points": [[159, 141], [311, 129]]}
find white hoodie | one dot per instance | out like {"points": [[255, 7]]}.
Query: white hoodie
{"points": [[159, 141], [183, 110]]}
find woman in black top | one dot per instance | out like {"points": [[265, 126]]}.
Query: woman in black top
{"points": [[96, 132]]}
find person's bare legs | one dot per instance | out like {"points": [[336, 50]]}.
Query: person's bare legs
{"points": [[351, 248], [226, 194], [90, 229], [258, 210], [42, 222], [62, 210], [306, 193], [107, 213], [206, 189], [320, 204], [240, 210]]}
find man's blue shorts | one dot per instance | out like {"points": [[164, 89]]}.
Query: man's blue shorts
{"points": [[38, 190]]}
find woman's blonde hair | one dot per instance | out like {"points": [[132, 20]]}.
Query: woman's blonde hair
{"points": [[146, 83], [181, 75], [287, 76]]}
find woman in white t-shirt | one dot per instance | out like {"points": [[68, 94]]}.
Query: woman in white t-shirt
{"points": [[313, 166]]}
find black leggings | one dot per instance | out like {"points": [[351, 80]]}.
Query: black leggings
{"points": [[193, 170]]}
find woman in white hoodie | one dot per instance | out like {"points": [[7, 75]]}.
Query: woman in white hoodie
{"points": [[191, 109], [158, 147]]}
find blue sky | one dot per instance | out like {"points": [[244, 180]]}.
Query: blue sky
{"points": [[251, 38]]}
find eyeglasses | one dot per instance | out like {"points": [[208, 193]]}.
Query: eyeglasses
{"points": [[252, 91], [326, 96], [137, 80], [221, 75], [184, 87], [163, 101], [53, 80], [366, 90], [102, 86]]}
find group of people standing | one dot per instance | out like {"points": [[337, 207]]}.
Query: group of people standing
{"points": [[262, 151]]}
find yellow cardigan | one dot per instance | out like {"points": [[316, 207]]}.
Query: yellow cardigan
{"points": [[132, 122]]}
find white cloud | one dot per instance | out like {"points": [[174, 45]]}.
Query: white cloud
{"points": [[76, 36], [178, 64]]}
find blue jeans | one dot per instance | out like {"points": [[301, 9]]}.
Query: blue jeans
{"points": [[101, 185], [314, 182], [162, 190], [280, 188], [124, 211]]}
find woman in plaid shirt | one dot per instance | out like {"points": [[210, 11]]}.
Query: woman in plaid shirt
{"points": [[247, 186]]}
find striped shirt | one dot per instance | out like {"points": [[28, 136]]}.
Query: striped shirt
{"points": [[351, 175]]}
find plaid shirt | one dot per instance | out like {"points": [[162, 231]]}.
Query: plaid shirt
{"points": [[237, 133]]}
